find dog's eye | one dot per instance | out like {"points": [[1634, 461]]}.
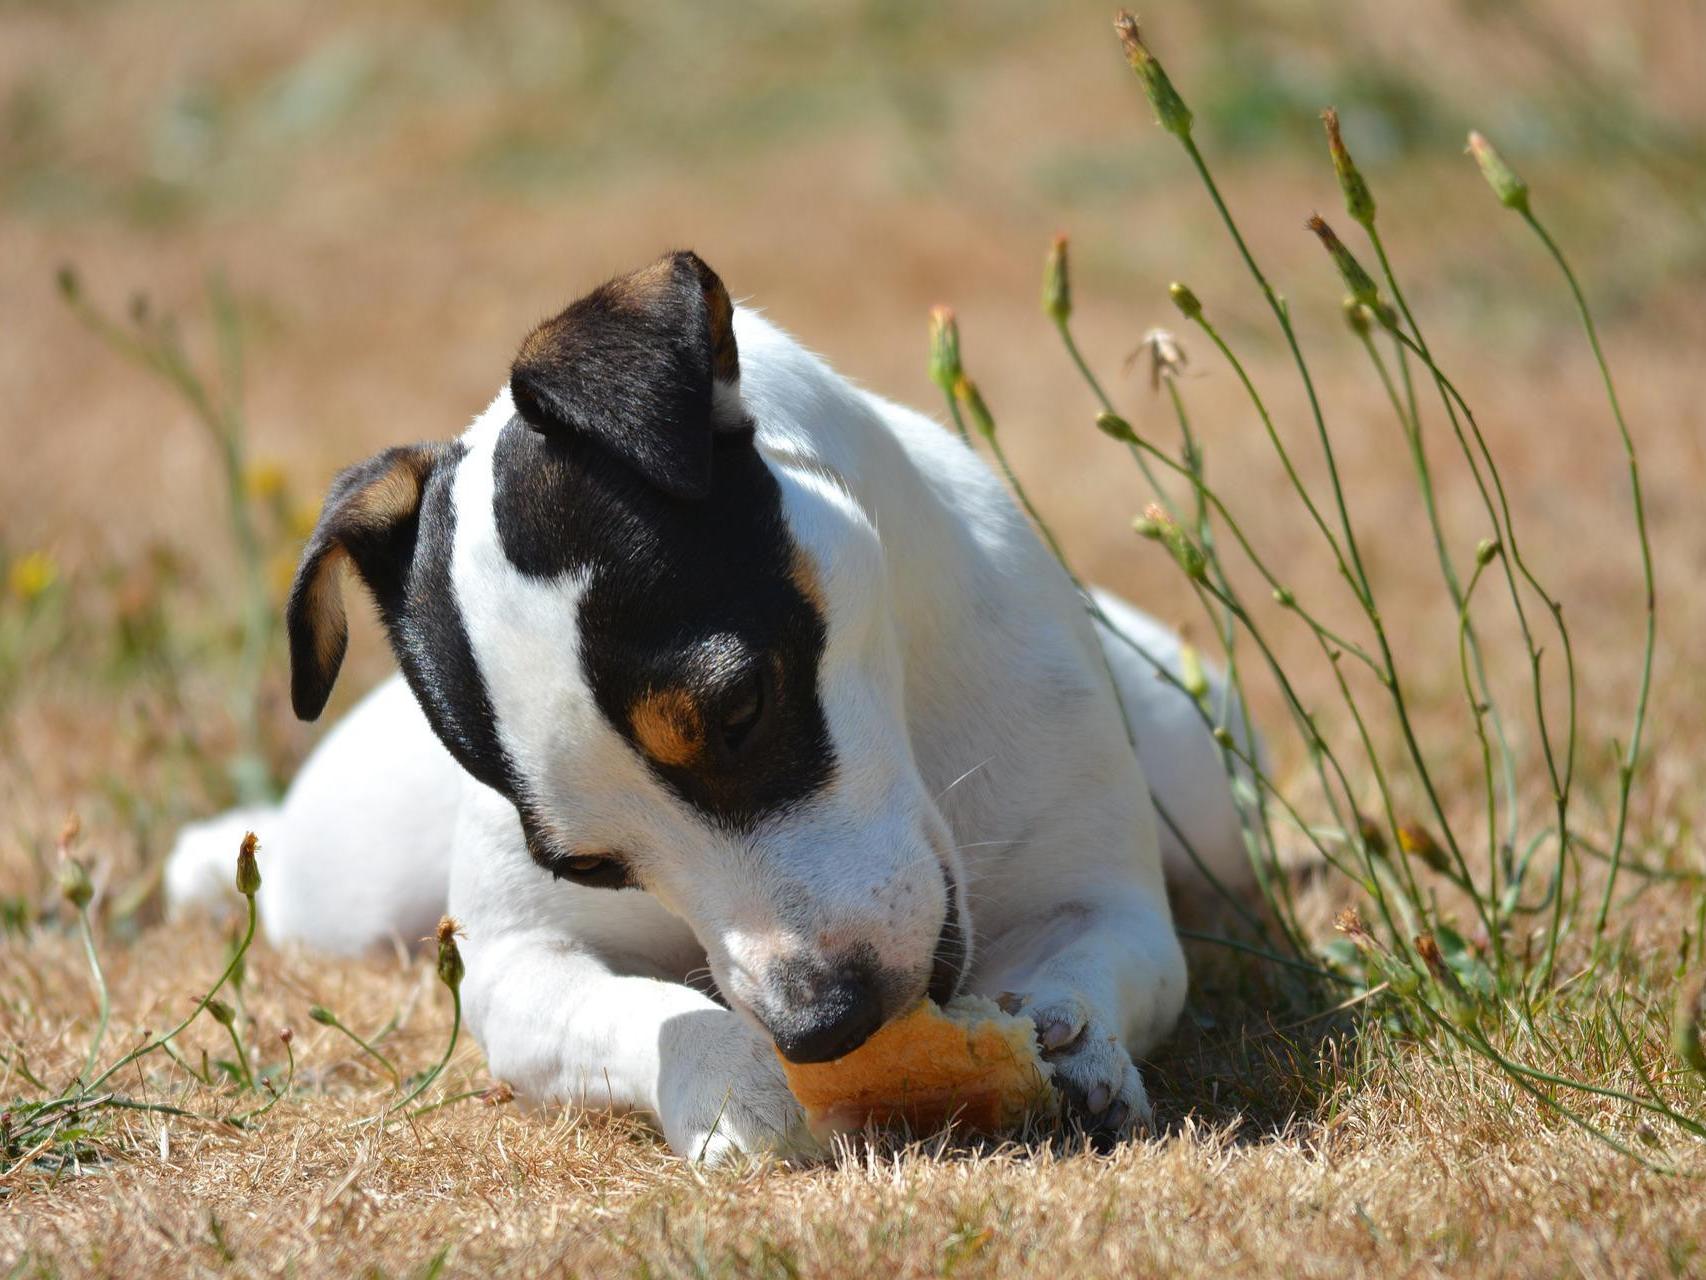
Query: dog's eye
{"points": [[595, 870], [743, 710]]}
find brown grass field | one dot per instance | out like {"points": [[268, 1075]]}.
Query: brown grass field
{"points": [[395, 193]]}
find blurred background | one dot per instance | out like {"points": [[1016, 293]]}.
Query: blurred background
{"points": [[388, 195]]}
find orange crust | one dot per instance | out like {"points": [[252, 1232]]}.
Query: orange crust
{"points": [[969, 1063]]}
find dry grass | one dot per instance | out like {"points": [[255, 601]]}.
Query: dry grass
{"points": [[397, 195]]}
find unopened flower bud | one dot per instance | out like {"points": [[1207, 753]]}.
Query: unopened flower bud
{"points": [[1170, 109], [221, 1012], [1511, 190], [1417, 841], [1185, 300], [1485, 550], [1359, 201], [1373, 837], [1357, 317], [971, 399], [248, 870], [1358, 281], [1116, 427], [1284, 598], [1057, 283], [944, 348], [74, 883], [1144, 527], [449, 955], [1161, 527], [70, 287], [1223, 737], [286, 1036], [1191, 674], [324, 1016]]}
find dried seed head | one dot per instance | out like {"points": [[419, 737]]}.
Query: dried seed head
{"points": [[1185, 300], [1511, 190], [971, 400], [1428, 950], [286, 1036], [944, 348], [1057, 283], [74, 883], [1359, 201], [1116, 427], [449, 955], [324, 1016], [1166, 357], [1349, 922], [1688, 1026], [221, 1012], [1358, 281], [248, 870], [1417, 841], [500, 1094], [1170, 109]]}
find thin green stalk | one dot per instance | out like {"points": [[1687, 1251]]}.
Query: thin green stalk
{"points": [[450, 1048], [278, 1095], [105, 999], [325, 1017], [1626, 772]]}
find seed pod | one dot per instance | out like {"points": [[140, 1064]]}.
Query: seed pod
{"points": [[1358, 281], [1359, 201], [248, 870], [1057, 283], [944, 348], [450, 968], [1511, 190], [1170, 109], [1185, 300]]}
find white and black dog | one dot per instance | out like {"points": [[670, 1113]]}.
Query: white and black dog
{"points": [[739, 707]]}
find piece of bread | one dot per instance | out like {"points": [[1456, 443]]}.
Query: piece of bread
{"points": [[968, 1063]]}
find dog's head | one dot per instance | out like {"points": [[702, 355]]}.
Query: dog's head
{"points": [[670, 655]]}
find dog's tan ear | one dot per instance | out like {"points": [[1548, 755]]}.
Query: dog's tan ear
{"points": [[369, 519]]}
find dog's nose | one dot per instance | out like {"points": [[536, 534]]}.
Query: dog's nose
{"points": [[841, 1015]]}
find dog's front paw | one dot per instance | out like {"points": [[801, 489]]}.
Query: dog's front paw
{"points": [[1100, 1088], [727, 1096]]}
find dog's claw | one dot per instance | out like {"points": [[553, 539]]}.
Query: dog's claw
{"points": [[1010, 1002], [1058, 1034]]}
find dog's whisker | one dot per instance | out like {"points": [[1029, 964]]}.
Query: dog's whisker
{"points": [[968, 773]]}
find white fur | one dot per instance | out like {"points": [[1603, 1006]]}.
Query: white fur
{"points": [[967, 696]]}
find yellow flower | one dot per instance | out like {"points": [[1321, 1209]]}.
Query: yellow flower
{"points": [[31, 575], [264, 481]]}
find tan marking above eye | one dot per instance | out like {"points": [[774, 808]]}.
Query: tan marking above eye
{"points": [[808, 584], [669, 726]]}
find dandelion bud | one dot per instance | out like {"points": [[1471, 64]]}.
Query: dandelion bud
{"points": [[1191, 674], [324, 1016], [248, 870], [1170, 109], [944, 348], [1156, 524], [1417, 841], [221, 1012], [70, 287], [1057, 283], [74, 883], [449, 955], [1284, 599], [1358, 281], [966, 392], [1185, 300], [1116, 427], [1357, 317], [1144, 527], [1688, 1028], [1511, 190], [1359, 201], [1485, 550]]}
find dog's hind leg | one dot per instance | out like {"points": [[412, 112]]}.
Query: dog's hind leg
{"points": [[359, 852], [1176, 748]]}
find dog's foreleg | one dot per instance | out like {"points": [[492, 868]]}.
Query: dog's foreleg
{"points": [[1102, 980], [559, 1025]]}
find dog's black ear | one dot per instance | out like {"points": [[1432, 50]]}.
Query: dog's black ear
{"points": [[644, 367], [370, 519]]}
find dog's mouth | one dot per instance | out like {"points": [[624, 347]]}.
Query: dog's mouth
{"points": [[948, 968]]}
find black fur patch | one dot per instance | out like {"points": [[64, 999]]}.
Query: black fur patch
{"points": [[698, 597]]}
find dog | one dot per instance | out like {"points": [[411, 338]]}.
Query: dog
{"points": [[739, 710]]}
